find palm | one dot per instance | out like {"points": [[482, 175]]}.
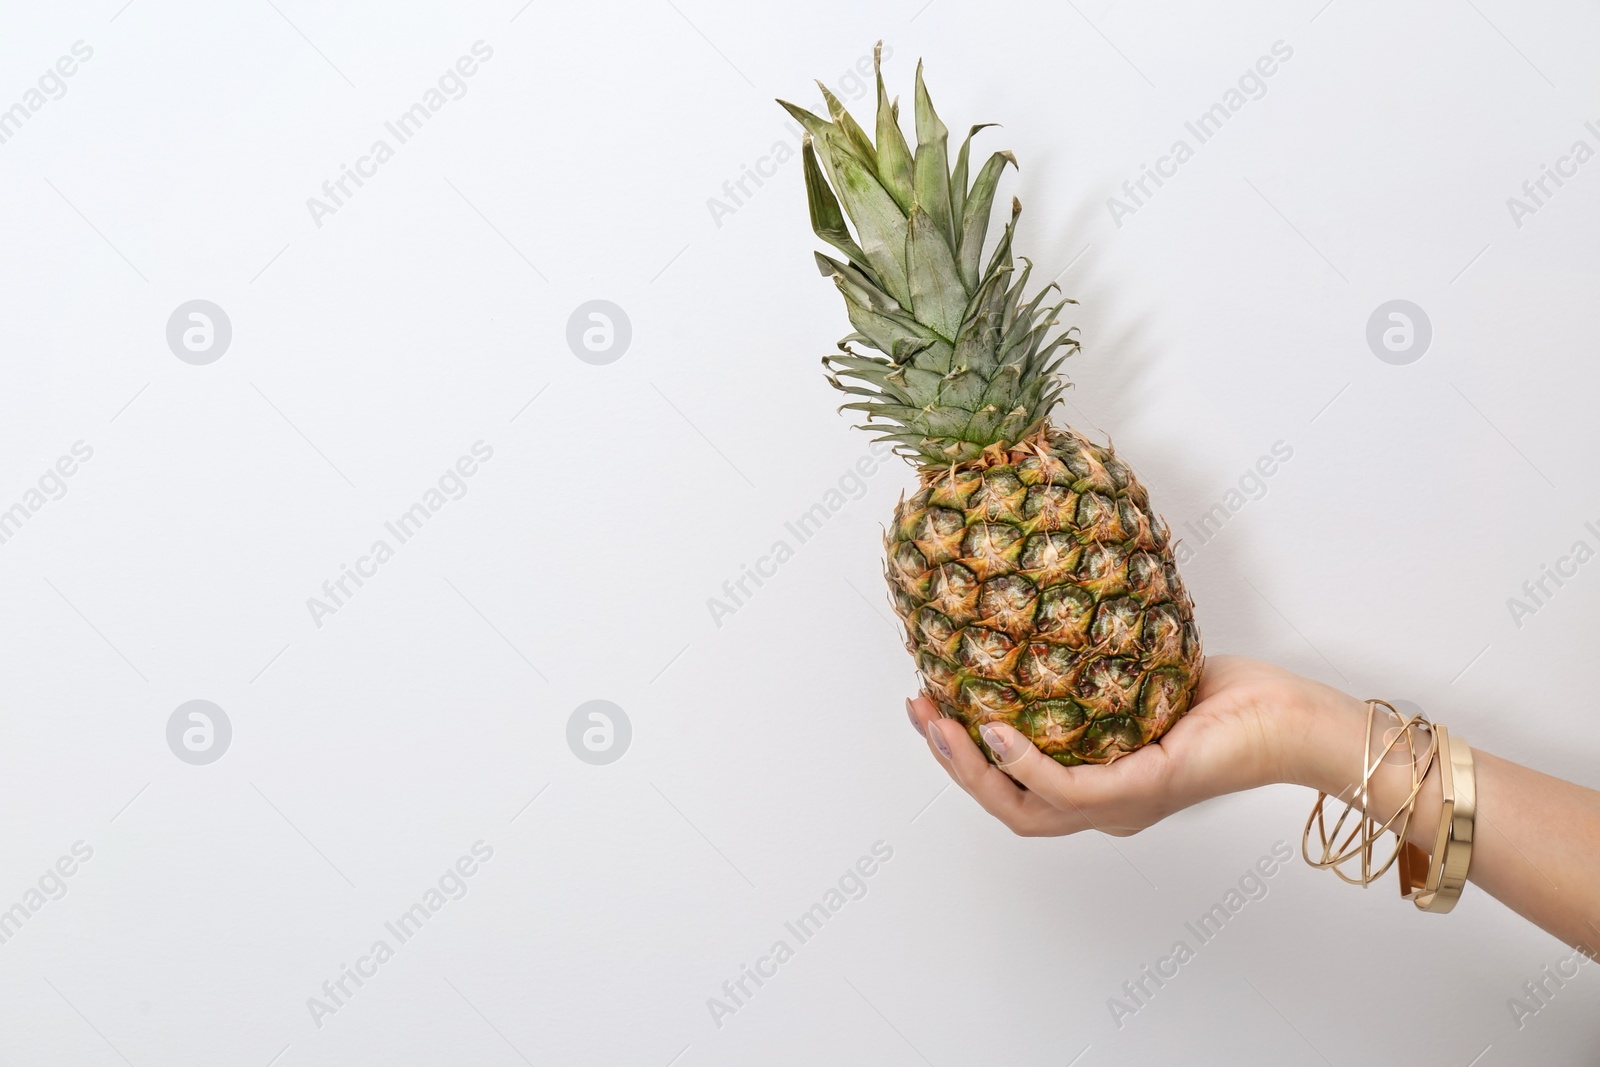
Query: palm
{"points": [[1218, 747]]}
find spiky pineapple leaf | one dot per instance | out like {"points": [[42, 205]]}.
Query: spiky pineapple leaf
{"points": [[880, 227], [936, 294], [975, 214], [850, 128], [966, 362], [894, 157], [932, 164], [827, 220], [815, 125], [958, 176]]}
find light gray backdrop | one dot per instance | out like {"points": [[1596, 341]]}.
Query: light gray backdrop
{"points": [[370, 739]]}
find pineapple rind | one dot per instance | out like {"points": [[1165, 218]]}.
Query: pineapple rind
{"points": [[1036, 585], [1037, 588]]}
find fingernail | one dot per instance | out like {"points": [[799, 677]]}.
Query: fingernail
{"points": [[911, 713], [938, 743], [992, 738]]}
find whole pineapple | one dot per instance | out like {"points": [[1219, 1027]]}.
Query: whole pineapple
{"points": [[1036, 585]]}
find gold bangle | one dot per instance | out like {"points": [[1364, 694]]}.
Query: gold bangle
{"points": [[1452, 850], [1365, 832]]}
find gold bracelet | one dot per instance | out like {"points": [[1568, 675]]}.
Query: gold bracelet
{"points": [[1336, 852], [1452, 849]]}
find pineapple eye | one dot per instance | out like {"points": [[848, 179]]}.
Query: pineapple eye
{"points": [[1064, 614], [991, 548], [1098, 518], [991, 700], [984, 652], [1054, 725], [909, 564], [1000, 497], [1120, 475], [1046, 669], [1147, 577], [935, 627], [1108, 686], [1054, 554], [1007, 603], [1116, 627]]}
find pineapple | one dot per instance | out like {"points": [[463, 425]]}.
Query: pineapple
{"points": [[1036, 585]]}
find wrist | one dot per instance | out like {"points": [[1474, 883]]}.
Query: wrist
{"points": [[1324, 742], [1321, 738]]}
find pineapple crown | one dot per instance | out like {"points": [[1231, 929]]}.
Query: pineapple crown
{"points": [[965, 364]]}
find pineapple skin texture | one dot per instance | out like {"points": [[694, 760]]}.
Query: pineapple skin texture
{"points": [[1038, 588]]}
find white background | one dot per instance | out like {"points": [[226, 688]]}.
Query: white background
{"points": [[769, 753]]}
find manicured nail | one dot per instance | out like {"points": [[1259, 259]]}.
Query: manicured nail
{"points": [[938, 743], [911, 713], [992, 738]]}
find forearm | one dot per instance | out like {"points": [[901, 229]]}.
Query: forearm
{"points": [[1536, 841]]}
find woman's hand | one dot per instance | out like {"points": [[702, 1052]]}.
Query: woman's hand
{"points": [[1249, 726], [1536, 846]]}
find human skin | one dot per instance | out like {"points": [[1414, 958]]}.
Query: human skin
{"points": [[1536, 846]]}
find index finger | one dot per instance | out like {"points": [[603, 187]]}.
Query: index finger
{"points": [[1020, 810]]}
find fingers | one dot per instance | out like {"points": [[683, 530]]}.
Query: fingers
{"points": [[1022, 761], [1106, 798], [966, 764], [997, 793], [920, 710]]}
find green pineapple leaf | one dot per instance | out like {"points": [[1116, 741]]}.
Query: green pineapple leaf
{"points": [[851, 129], [826, 218], [936, 294], [958, 177], [932, 164], [975, 216], [894, 157]]}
